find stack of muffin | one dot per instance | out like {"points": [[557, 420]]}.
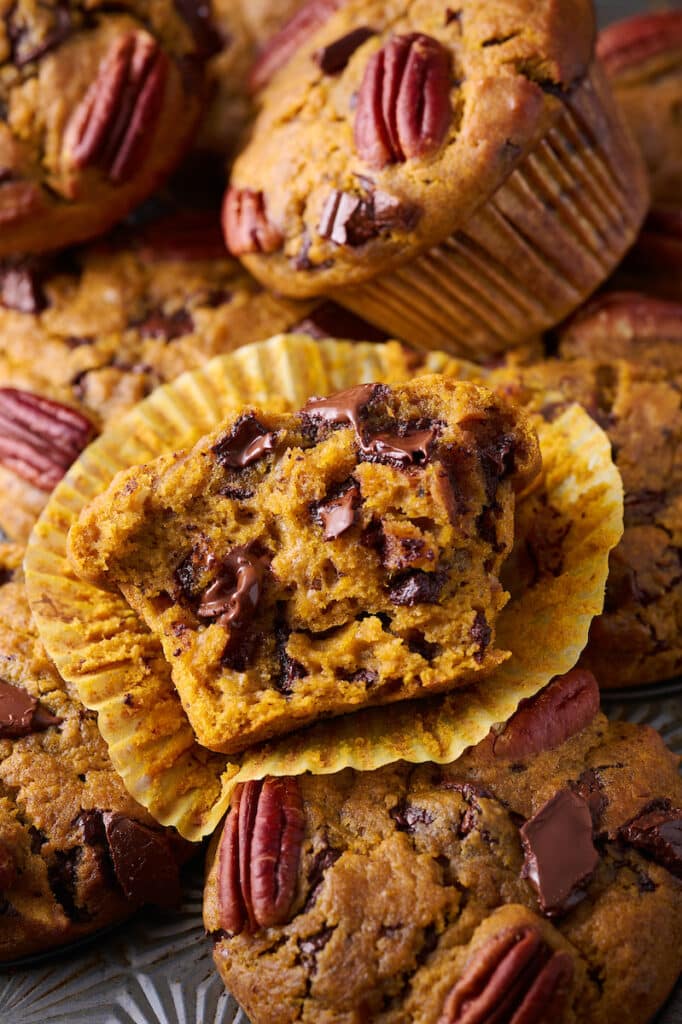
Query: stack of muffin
{"points": [[461, 179]]}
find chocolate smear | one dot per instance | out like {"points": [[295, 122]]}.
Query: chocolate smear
{"points": [[144, 862], [333, 58], [21, 714], [248, 442], [232, 599], [560, 856], [338, 514], [657, 832], [411, 450], [346, 407]]}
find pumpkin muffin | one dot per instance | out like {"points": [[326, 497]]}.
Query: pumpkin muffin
{"points": [[643, 59], [638, 638], [300, 566], [462, 178], [77, 853], [98, 103], [536, 880], [95, 330]]}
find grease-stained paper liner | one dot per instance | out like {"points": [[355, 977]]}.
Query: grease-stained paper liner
{"points": [[140, 714]]}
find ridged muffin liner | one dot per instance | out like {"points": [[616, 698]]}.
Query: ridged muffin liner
{"points": [[534, 250], [108, 655]]}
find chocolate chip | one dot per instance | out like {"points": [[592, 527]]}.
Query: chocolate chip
{"points": [[417, 587], [418, 644], [21, 290], [591, 788], [353, 220], [324, 859], [313, 945], [560, 856], [61, 875], [347, 408], [337, 514], [332, 321], [21, 714], [409, 449], [143, 860], [289, 669], [248, 442], [192, 568], [233, 598], [408, 818], [657, 832], [497, 461], [333, 58], [481, 634], [167, 326]]}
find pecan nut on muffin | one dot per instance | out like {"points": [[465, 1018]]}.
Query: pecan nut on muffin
{"points": [[95, 330], [460, 177], [637, 638], [643, 59], [536, 880], [300, 566], [98, 103], [77, 853]]}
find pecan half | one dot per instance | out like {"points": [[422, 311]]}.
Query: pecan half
{"points": [[246, 225], [284, 44], [625, 44], [403, 107], [112, 127], [561, 710], [40, 439], [516, 977], [260, 853]]}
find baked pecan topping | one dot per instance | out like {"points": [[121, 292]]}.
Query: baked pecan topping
{"points": [[260, 853], [404, 108], [21, 714], [657, 832], [626, 44], [40, 439], [516, 977], [284, 44], [113, 125], [560, 857], [246, 225], [561, 710]]}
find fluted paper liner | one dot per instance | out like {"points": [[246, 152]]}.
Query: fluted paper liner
{"points": [[151, 743]]}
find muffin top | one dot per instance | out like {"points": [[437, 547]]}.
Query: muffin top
{"points": [[390, 126]]}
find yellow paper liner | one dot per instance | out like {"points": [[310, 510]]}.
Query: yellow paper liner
{"points": [[140, 714]]}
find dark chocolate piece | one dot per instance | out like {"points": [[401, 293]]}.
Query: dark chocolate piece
{"points": [[417, 587], [353, 220], [339, 514], [658, 833], [411, 450], [144, 861], [346, 407], [21, 714], [333, 58], [247, 442], [481, 634], [232, 599], [167, 326], [560, 856]]}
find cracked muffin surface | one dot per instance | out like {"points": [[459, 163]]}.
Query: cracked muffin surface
{"points": [[407, 894], [305, 565], [77, 853], [98, 103]]}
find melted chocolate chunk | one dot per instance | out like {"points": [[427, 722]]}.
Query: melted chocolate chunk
{"points": [[21, 714], [497, 461], [289, 669], [167, 326], [411, 449], [233, 598], [248, 442], [657, 832], [353, 220], [21, 289], [324, 859], [347, 408], [143, 860], [560, 856], [481, 634], [590, 787], [417, 587], [333, 58], [338, 514], [192, 568], [331, 321]]}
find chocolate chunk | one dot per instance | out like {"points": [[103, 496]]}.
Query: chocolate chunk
{"points": [[247, 442], [324, 859], [289, 669], [560, 857], [497, 461], [408, 818], [353, 220], [232, 599], [197, 14], [344, 408], [61, 875], [144, 862], [167, 326], [190, 571], [20, 289], [591, 788], [313, 945], [337, 515], [481, 634], [657, 832], [21, 714], [332, 321], [333, 58], [409, 450], [417, 587]]}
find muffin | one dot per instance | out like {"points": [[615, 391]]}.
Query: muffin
{"points": [[533, 880], [637, 639], [77, 853], [643, 60], [462, 181], [95, 330], [300, 566], [98, 104]]}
